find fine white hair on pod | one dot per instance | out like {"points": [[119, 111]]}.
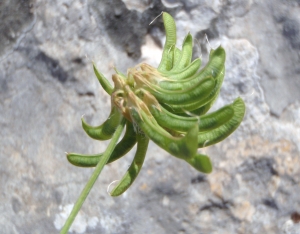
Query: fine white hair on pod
{"points": [[198, 47], [156, 17], [209, 43], [107, 190], [203, 148], [248, 94]]}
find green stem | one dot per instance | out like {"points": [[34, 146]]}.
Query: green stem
{"points": [[93, 177]]}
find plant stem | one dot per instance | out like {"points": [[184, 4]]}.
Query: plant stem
{"points": [[93, 177]]}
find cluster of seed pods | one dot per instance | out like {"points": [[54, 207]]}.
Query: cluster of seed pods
{"points": [[167, 105]]}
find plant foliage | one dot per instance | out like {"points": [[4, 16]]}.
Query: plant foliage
{"points": [[167, 105]]}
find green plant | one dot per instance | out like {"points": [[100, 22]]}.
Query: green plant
{"points": [[167, 105]]}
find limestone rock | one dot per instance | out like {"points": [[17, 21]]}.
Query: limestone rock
{"points": [[47, 84]]}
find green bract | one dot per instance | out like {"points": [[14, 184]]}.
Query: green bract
{"points": [[167, 105]]}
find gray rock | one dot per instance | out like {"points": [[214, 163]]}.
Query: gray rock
{"points": [[47, 84], [17, 18], [278, 43]]}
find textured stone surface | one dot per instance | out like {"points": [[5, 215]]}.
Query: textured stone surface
{"points": [[47, 83], [16, 18]]}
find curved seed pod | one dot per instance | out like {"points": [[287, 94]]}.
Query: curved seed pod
{"points": [[199, 111], [199, 92], [125, 144], [182, 108], [217, 118], [135, 167], [183, 124], [167, 56], [147, 83], [215, 64], [103, 81], [187, 82], [185, 73], [177, 55], [181, 147], [105, 130], [84, 160], [163, 82], [186, 54], [172, 121], [203, 109], [201, 163], [122, 148], [214, 67], [223, 131]]}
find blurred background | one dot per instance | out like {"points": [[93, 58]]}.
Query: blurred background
{"points": [[47, 84]]}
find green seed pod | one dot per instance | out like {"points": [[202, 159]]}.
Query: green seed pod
{"points": [[185, 73], [183, 85], [213, 97], [172, 121], [183, 123], [198, 92], [216, 63], [167, 56], [186, 54], [121, 149], [135, 167], [181, 147], [213, 69], [181, 108], [105, 130], [103, 81], [125, 144], [201, 163], [177, 55], [84, 160], [218, 134], [217, 118]]}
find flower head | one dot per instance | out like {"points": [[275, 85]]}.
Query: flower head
{"points": [[168, 105]]}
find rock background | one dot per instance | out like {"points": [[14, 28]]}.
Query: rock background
{"points": [[47, 83]]}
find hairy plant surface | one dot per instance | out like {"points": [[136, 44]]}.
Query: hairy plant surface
{"points": [[168, 105]]}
